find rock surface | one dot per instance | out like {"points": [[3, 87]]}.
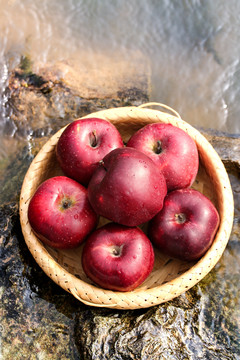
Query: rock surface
{"points": [[40, 320], [227, 147]]}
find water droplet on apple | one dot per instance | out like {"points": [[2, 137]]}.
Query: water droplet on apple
{"points": [[76, 216]]}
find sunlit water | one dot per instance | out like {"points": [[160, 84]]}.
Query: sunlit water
{"points": [[192, 47]]}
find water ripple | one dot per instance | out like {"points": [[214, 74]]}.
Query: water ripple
{"points": [[191, 46]]}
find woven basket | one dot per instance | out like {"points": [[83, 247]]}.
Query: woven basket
{"points": [[169, 278]]}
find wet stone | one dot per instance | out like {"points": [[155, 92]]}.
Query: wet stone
{"points": [[39, 320], [35, 324], [201, 324], [227, 147], [15, 167], [43, 99]]}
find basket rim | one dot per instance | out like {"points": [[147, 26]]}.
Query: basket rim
{"points": [[138, 298]]}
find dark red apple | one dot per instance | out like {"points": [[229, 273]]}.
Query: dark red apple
{"points": [[172, 149], [118, 257], [83, 144], [127, 187], [186, 225], [60, 213]]}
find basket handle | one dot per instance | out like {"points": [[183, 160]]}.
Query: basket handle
{"points": [[160, 105]]}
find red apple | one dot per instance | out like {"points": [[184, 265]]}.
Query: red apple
{"points": [[118, 257], [172, 149], [186, 225], [127, 187], [83, 144], [60, 214]]}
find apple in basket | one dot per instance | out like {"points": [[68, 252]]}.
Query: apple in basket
{"points": [[60, 214], [127, 187], [83, 144], [172, 149], [118, 257], [186, 225]]}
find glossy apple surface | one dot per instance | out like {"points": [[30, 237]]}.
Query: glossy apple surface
{"points": [[60, 213], [127, 187], [118, 257], [186, 225], [83, 144], [172, 149]]}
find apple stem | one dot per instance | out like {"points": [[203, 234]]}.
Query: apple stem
{"points": [[158, 148], [117, 250], [93, 138], [66, 204], [180, 218], [101, 162]]}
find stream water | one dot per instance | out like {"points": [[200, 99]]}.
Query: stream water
{"points": [[192, 47]]}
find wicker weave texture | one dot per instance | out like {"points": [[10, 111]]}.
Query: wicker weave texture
{"points": [[170, 277]]}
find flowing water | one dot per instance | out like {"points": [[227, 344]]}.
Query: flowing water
{"points": [[192, 47]]}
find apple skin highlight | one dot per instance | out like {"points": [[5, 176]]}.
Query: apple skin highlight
{"points": [[172, 149], [83, 144], [60, 213], [186, 226], [127, 187], [118, 257]]}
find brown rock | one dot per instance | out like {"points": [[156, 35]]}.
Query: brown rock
{"points": [[100, 76], [227, 146]]}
